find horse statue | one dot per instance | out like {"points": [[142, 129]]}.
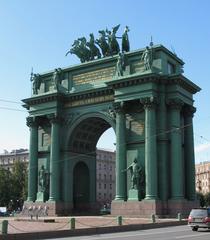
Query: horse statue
{"points": [[80, 49], [102, 43], [114, 47], [94, 51]]}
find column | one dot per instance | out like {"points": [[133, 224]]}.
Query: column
{"points": [[150, 148], [177, 165], [33, 159], [162, 147], [189, 152], [120, 153], [54, 159]]}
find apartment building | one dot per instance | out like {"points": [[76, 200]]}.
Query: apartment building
{"points": [[202, 177]]}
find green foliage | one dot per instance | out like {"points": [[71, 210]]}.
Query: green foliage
{"points": [[5, 186], [13, 186], [204, 199], [201, 199], [207, 199]]}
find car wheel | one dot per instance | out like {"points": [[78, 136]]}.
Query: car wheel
{"points": [[194, 228]]}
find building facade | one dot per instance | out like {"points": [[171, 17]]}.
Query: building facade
{"points": [[105, 165], [105, 179], [7, 159], [202, 177]]}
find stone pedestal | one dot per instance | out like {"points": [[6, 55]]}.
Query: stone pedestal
{"points": [[145, 208], [41, 197], [133, 195], [53, 208]]}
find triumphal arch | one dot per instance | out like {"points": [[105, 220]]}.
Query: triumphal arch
{"points": [[144, 96]]}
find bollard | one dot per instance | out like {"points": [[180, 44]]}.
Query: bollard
{"points": [[72, 223], [179, 216], [153, 218], [119, 220], [4, 226]]}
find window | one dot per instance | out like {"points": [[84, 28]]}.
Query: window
{"points": [[171, 68], [99, 166], [104, 166], [99, 176], [104, 176], [99, 185], [110, 186], [104, 185], [104, 195], [110, 177]]}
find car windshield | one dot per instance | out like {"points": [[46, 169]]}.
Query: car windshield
{"points": [[198, 213]]}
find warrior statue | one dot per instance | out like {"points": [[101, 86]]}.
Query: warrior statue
{"points": [[36, 81], [135, 172], [147, 58], [120, 66], [94, 51], [57, 78]]}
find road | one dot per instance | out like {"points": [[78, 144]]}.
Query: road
{"points": [[169, 233]]}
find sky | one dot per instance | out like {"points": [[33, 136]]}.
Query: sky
{"points": [[38, 34]]}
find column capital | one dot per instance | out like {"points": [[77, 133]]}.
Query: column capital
{"points": [[31, 121], [54, 118], [119, 107], [189, 110], [175, 103], [149, 102]]}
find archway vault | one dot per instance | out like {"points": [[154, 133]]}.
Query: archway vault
{"points": [[85, 135]]}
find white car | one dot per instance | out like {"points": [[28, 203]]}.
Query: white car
{"points": [[199, 218]]}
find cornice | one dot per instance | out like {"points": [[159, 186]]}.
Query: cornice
{"points": [[183, 82], [132, 80], [43, 99]]}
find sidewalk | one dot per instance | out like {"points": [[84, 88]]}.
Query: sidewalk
{"points": [[24, 228]]}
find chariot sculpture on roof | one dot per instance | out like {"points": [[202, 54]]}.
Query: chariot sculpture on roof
{"points": [[107, 43]]}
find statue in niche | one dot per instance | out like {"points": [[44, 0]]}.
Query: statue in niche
{"points": [[57, 78], [112, 40], [94, 51], [136, 172], [36, 82], [102, 43], [125, 40], [120, 66], [147, 58], [43, 179]]}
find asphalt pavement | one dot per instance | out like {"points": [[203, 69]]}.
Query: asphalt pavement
{"points": [[169, 233]]}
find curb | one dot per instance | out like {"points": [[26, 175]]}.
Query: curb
{"points": [[89, 231]]}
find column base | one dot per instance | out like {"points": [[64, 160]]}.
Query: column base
{"points": [[119, 198]]}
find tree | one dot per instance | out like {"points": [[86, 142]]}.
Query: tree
{"points": [[201, 199], [207, 199], [5, 186], [13, 186], [19, 181]]}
